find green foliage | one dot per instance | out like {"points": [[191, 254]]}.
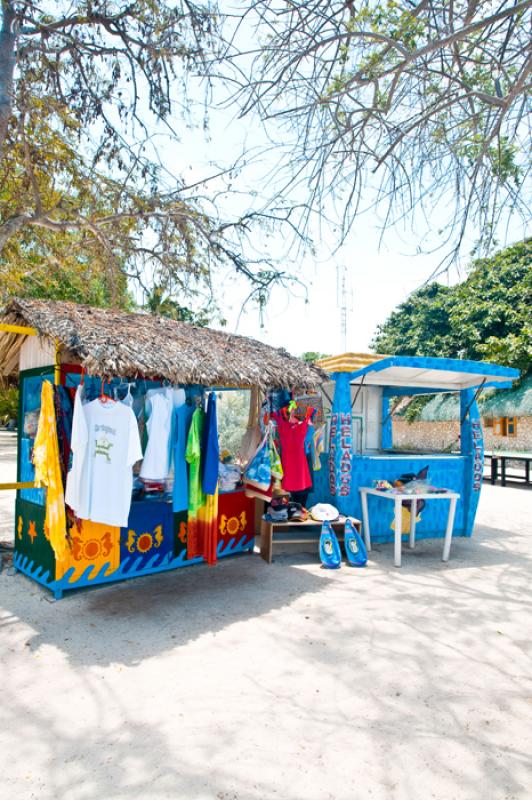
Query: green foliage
{"points": [[233, 414], [486, 317], [311, 356], [8, 403], [56, 258], [161, 302], [415, 407], [92, 90]]}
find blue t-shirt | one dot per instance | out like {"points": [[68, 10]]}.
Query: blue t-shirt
{"points": [[181, 424], [211, 450]]}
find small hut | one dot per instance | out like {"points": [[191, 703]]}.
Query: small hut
{"points": [[65, 343]]}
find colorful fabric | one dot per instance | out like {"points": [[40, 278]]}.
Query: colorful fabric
{"points": [[319, 446], [48, 471], [275, 459], [182, 419], [293, 457], [196, 498], [63, 416], [211, 449], [207, 531]]}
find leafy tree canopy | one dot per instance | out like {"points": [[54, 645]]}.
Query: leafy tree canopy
{"points": [[88, 91], [486, 317], [396, 104]]}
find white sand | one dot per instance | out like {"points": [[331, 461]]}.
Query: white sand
{"points": [[249, 682]]}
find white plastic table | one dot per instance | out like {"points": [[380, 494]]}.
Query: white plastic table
{"points": [[453, 497]]}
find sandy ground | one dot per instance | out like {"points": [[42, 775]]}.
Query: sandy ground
{"points": [[249, 682]]}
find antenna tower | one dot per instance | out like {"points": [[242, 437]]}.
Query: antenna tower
{"points": [[343, 301]]}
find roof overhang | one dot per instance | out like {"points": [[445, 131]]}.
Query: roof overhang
{"points": [[433, 374]]}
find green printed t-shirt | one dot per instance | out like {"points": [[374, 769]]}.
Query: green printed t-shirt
{"points": [[196, 498]]}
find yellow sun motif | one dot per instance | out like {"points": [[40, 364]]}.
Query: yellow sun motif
{"points": [[19, 527]]}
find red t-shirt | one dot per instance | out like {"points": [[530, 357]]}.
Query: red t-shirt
{"points": [[293, 457]]}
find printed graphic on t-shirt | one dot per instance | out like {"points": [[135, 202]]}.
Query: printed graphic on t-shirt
{"points": [[102, 445]]}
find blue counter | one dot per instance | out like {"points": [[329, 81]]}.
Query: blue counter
{"points": [[444, 471]]}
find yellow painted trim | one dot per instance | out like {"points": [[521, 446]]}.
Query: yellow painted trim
{"points": [[348, 362], [17, 485], [23, 329]]}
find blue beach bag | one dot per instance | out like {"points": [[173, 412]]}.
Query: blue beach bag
{"points": [[258, 472], [330, 553]]}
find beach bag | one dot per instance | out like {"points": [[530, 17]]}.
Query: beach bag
{"points": [[275, 458], [259, 470]]}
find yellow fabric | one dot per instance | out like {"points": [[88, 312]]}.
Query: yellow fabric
{"points": [[48, 472], [93, 545], [405, 520]]}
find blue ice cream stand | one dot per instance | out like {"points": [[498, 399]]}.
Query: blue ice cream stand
{"points": [[360, 399]]}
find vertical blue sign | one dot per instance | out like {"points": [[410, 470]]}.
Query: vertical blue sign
{"points": [[340, 443]]}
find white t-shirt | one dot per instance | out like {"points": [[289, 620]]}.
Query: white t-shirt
{"points": [[112, 446], [77, 487], [156, 464]]}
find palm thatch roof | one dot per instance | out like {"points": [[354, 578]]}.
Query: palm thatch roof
{"points": [[108, 342], [492, 403]]}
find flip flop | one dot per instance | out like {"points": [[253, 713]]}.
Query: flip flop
{"points": [[355, 549], [330, 553]]}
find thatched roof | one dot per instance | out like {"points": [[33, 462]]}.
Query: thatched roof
{"points": [[113, 343], [492, 403]]}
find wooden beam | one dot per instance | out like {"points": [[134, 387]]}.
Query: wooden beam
{"points": [[22, 329], [17, 485]]}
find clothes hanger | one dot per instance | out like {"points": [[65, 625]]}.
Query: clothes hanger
{"points": [[104, 398]]}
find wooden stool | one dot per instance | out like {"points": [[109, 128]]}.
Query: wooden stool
{"points": [[267, 530]]}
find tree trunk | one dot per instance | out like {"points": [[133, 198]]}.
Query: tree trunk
{"points": [[7, 68], [11, 226]]}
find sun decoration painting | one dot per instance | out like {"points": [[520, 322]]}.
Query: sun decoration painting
{"points": [[230, 526]]}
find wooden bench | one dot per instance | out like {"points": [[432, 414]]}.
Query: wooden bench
{"points": [[268, 530]]}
